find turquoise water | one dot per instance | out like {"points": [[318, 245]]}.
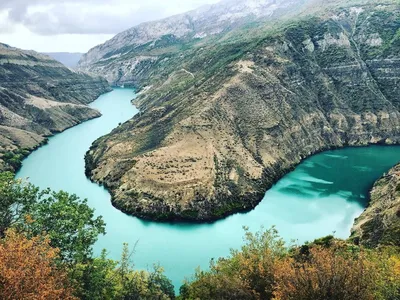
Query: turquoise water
{"points": [[322, 196]]}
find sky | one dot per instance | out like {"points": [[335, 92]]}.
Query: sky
{"points": [[78, 25]]}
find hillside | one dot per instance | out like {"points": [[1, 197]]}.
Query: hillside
{"points": [[39, 97], [222, 121], [126, 58], [380, 222]]}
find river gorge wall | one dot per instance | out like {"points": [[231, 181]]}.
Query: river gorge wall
{"points": [[222, 122], [39, 97], [380, 222]]}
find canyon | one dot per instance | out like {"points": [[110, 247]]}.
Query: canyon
{"points": [[222, 121], [39, 97]]}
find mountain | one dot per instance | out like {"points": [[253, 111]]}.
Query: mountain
{"points": [[39, 97], [67, 59], [223, 118], [380, 222], [124, 57]]}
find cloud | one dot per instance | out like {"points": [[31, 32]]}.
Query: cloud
{"points": [[5, 25], [79, 19], [52, 17], [78, 25], [24, 39]]}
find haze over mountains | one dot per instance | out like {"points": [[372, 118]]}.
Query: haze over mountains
{"points": [[69, 60]]}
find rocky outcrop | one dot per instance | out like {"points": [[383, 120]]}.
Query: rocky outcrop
{"points": [[221, 122], [380, 222], [39, 97]]}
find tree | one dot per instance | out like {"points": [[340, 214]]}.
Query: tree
{"points": [[95, 279], [28, 269], [338, 272], [247, 274], [103, 278], [71, 229], [138, 285], [385, 263], [327, 268], [68, 221], [16, 200], [159, 284], [148, 285]]}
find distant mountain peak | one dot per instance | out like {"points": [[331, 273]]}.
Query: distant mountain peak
{"points": [[196, 24]]}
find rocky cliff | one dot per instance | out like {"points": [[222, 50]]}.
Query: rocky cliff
{"points": [[127, 57], [380, 222], [39, 97], [222, 121]]}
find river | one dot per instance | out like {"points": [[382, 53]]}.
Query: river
{"points": [[321, 196]]}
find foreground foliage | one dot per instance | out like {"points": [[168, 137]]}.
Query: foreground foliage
{"points": [[326, 269], [28, 269], [338, 272], [68, 221], [103, 278], [46, 241], [46, 253]]}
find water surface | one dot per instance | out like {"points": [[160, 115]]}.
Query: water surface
{"points": [[322, 196]]}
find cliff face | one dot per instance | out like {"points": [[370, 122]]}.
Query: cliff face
{"points": [[221, 122], [380, 222], [126, 58], [39, 97]]}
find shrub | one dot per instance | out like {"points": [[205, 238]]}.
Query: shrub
{"points": [[324, 274], [328, 268], [28, 269], [247, 274]]}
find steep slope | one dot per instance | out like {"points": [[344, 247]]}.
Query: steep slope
{"points": [[39, 97], [380, 222], [221, 122], [124, 59]]}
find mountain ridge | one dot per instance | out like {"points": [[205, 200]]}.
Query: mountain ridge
{"points": [[207, 21], [221, 122], [39, 97]]}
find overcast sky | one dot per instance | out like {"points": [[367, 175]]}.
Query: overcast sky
{"points": [[78, 25]]}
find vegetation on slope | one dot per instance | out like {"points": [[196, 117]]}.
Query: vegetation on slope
{"points": [[380, 222], [225, 118], [325, 269], [15, 157]]}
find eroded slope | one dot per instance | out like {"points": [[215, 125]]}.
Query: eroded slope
{"points": [[380, 222], [223, 121], [39, 97], [130, 55]]}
